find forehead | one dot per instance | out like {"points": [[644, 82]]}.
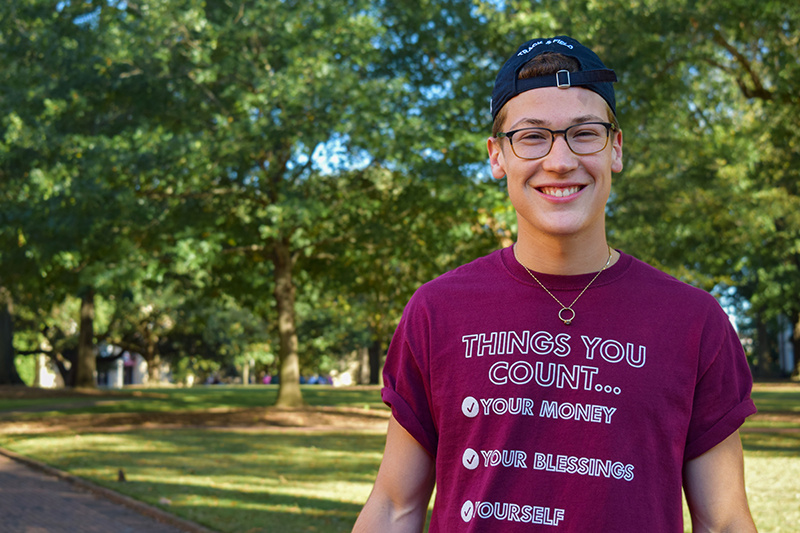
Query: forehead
{"points": [[552, 106]]}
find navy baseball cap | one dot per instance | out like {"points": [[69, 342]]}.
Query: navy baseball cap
{"points": [[593, 74]]}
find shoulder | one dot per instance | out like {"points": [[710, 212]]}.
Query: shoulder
{"points": [[477, 275], [457, 292], [680, 311]]}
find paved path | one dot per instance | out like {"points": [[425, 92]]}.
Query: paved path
{"points": [[33, 501]]}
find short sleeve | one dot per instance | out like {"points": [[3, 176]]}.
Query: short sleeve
{"points": [[722, 392], [406, 379]]}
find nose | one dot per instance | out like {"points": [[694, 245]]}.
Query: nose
{"points": [[560, 159]]}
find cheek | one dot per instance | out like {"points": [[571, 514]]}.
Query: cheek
{"points": [[606, 188]]}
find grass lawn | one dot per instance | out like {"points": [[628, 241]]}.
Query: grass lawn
{"points": [[233, 470], [771, 441], [181, 399]]}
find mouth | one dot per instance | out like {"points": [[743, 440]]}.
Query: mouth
{"points": [[560, 192]]}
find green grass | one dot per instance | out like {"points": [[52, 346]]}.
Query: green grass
{"points": [[777, 397], [191, 399], [772, 474], [250, 480]]}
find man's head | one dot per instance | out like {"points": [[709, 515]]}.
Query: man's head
{"points": [[557, 62], [555, 139]]}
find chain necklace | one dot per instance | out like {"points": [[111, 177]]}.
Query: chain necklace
{"points": [[570, 316]]}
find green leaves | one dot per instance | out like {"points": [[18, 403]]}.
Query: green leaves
{"points": [[173, 144]]}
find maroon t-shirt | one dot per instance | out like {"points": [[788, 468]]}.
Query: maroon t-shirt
{"points": [[535, 425]]}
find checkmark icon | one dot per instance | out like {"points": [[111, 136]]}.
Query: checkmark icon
{"points": [[470, 459], [470, 407], [467, 511]]}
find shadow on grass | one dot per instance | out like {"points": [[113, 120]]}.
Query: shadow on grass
{"points": [[776, 444]]}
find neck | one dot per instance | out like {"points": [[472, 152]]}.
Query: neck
{"points": [[564, 256]]}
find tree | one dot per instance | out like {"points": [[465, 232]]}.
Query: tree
{"points": [[213, 124], [8, 372], [277, 97], [68, 160]]}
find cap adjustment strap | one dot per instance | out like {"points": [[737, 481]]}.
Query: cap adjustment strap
{"points": [[573, 79], [565, 85]]}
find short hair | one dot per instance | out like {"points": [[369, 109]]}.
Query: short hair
{"points": [[546, 64]]}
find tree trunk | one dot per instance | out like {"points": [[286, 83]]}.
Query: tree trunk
{"points": [[289, 394], [362, 353], [8, 370], [796, 346], [86, 364], [153, 359], [375, 356], [246, 373], [764, 363], [66, 362]]}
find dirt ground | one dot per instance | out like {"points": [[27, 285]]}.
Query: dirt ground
{"points": [[311, 418]]}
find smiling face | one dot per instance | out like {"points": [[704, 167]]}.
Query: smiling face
{"points": [[562, 194]]}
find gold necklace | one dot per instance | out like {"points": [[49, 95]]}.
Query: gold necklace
{"points": [[568, 320]]}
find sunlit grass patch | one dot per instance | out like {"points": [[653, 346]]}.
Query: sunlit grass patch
{"points": [[773, 489]]}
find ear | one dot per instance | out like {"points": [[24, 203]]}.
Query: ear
{"points": [[496, 158], [616, 152]]}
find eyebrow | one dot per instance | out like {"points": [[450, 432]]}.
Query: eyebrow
{"points": [[531, 122]]}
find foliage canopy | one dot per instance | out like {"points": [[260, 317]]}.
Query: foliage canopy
{"points": [[299, 168]]}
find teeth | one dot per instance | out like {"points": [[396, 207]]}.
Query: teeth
{"points": [[560, 192]]}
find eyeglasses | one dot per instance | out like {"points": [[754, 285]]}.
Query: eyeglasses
{"points": [[582, 139]]}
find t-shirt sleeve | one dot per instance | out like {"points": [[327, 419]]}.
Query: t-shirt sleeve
{"points": [[722, 392], [406, 379]]}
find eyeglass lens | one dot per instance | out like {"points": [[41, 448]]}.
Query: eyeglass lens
{"points": [[582, 139]]}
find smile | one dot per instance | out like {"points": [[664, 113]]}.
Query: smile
{"points": [[560, 192]]}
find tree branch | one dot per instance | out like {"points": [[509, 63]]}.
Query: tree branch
{"points": [[757, 90], [34, 352]]}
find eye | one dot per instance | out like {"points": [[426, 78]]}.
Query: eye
{"points": [[531, 136], [587, 132]]}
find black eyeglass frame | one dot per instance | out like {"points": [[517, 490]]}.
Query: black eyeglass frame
{"points": [[508, 134]]}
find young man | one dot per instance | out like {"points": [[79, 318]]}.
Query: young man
{"points": [[559, 384]]}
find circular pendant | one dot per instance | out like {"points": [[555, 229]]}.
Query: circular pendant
{"points": [[568, 320]]}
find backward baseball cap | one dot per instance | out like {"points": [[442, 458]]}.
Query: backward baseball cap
{"points": [[593, 74]]}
